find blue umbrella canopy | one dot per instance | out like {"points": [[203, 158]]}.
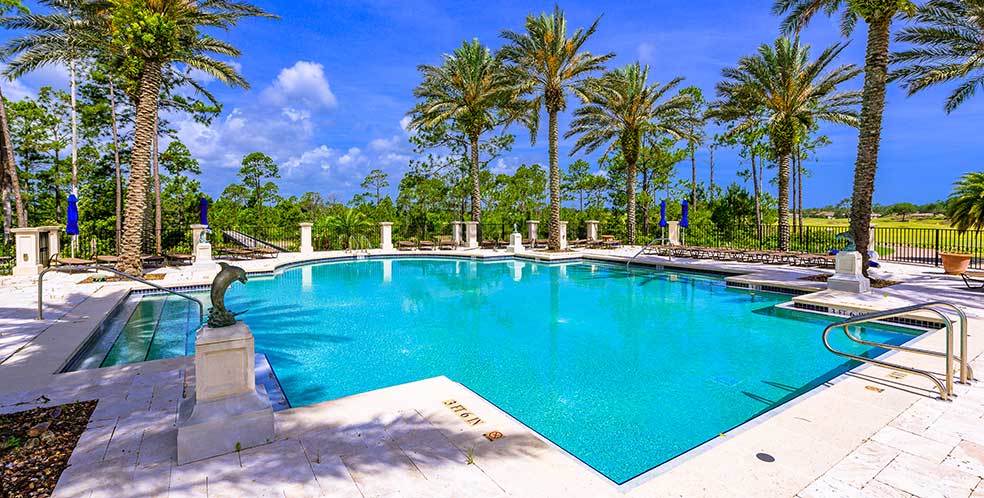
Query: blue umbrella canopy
{"points": [[662, 214], [684, 219], [203, 211], [72, 225]]}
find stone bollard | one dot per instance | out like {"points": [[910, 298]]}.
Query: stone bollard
{"points": [[563, 235], [386, 235], [847, 275], [515, 243], [307, 247], [456, 233], [34, 248], [592, 229], [196, 235], [228, 411], [673, 232], [471, 234], [533, 230]]}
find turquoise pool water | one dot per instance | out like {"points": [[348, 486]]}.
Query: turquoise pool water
{"points": [[623, 369]]}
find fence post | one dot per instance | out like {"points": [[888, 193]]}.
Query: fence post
{"points": [[936, 256]]}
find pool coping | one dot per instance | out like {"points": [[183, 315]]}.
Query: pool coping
{"points": [[682, 267]]}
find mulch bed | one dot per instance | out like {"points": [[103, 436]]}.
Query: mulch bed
{"points": [[114, 278], [35, 446], [876, 283]]}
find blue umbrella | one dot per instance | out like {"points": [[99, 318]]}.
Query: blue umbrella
{"points": [[203, 211], [662, 214], [684, 222], [72, 227]]}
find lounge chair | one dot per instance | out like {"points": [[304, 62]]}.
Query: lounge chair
{"points": [[152, 260], [63, 261], [107, 259], [577, 243], [973, 280], [426, 245], [488, 244], [446, 242], [406, 245], [265, 252], [176, 258]]}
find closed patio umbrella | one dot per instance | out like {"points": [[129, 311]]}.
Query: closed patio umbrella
{"points": [[662, 220], [203, 211], [684, 219], [72, 223]]}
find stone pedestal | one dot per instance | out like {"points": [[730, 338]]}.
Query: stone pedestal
{"points": [[592, 226], [203, 257], [563, 235], [307, 247], [456, 233], [673, 232], [515, 243], [847, 274], [196, 235], [533, 230], [471, 234], [386, 236], [227, 411], [34, 248]]}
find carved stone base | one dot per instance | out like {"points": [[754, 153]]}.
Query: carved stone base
{"points": [[847, 275], [224, 425]]}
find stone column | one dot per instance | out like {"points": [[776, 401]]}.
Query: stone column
{"points": [[227, 411], [847, 275], [307, 247], [471, 234], [456, 232], [563, 235], [515, 243], [673, 232], [386, 235], [196, 235], [533, 230], [27, 260], [592, 229], [54, 247]]}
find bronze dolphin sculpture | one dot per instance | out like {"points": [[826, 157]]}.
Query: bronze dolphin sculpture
{"points": [[218, 315]]}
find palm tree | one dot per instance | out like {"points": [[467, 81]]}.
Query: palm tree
{"points": [[351, 225], [948, 46], [620, 108], [787, 93], [878, 14], [965, 207], [547, 63], [470, 88], [150, 48]]}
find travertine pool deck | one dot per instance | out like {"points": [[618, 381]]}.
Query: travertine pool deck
{"points": [[868, 433]]}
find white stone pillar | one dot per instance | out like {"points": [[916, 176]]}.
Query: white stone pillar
{"points": [[228, 411], [515, 243], [196, 235], [563, 235], [471, 234], [847, 275], [533, 230], [592, 229], [673, 232], [307, 246], [54, 247], [386, 235], [456, 232], [27, 260]]}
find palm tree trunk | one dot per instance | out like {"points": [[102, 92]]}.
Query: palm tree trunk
{"points": [[55, 168], [630, 219], [645, 206], [799, 175], [136, 194], [75, 130], [711, 191], [157, 188], [10, 165], [476, 190], [792, 198], [758, 202], [116, 160], [784, 201], [872, 108], [554, 242], [693, 177]]}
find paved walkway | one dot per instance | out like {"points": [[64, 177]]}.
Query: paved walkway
{"points": [[869, 433]]}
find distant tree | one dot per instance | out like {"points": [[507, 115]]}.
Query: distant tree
{"points": [[902, 209], [965, 206], [575, 179], [735, 208], [349, 225], [694, 114], [376, 181], [9, 179], [256, 171]]}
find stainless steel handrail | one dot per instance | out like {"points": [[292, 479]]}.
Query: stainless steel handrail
{"points": [[651, 242], [69, 268], [946, 391]]}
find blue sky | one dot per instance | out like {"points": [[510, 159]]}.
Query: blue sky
{"points": [[332, 80]]}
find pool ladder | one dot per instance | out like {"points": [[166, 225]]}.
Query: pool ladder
{"points": [[647, 246], [71, 268], [945, 387]]}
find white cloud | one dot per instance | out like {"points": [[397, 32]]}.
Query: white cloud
{"points": [[405, 123], [303, 84]]}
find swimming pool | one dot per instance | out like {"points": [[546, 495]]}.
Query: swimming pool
{"points": [[624, 369]]}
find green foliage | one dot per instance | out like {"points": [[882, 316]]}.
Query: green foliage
{"points": [[965, 207]]}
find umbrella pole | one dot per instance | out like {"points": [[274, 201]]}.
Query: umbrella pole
{"points": [[75, 242]]}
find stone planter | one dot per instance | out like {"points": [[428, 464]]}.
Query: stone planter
{"points": [[955, 263]]}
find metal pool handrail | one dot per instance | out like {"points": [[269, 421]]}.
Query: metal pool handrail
{"points": [[946, 391], [70, 268], [651, 242]]}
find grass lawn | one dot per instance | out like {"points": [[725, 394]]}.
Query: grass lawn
{"points": [[883, 222]]}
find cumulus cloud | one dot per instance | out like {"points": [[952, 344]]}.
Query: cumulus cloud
{"points": [[302, 83]]}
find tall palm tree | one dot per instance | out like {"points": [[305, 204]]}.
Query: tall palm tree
{"points": [[618, 109], [965, 207], [471, 89], [151, 36], [948, 46], [786, 92], [548, 63], [878, 15]]}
